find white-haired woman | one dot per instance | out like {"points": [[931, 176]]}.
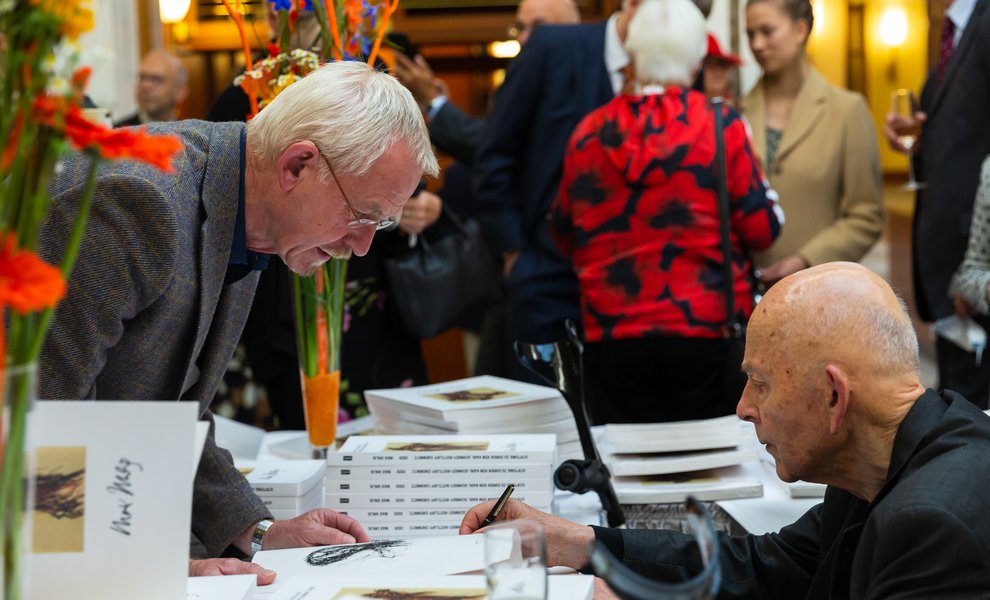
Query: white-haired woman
{"points": [[637, 212]]}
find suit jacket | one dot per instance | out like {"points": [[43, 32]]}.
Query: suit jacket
{"points": [[925, 535], [826, 171], [456, 132], [557, 79], [147, 316], [953, 144]]}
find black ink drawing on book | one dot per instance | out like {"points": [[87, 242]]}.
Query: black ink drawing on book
{"points": [[59, 500], [473, 395], [352, 553]]}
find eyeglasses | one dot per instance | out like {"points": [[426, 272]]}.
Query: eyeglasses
{"points": [[359, 220], [518, 28]]}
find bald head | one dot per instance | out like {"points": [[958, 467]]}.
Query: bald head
{"points": [[840, 311], [162, 85], [533, 13]]}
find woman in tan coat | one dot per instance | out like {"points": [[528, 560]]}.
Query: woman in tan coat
{"points": [[817, 144]]}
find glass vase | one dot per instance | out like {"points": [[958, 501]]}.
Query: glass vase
{"points": [[16, 480], [319, 312]]}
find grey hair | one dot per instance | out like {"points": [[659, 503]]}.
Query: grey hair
{"points": [[351, 112], [667, 40], [888, 335]]}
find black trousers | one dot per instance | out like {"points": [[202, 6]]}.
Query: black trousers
{"points": [[656, 379]]}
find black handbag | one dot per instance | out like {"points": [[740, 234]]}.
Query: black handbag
{"points": [[733, 331], [434, 283]]}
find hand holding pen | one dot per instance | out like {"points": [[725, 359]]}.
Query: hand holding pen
{"points": [[499, 504]]}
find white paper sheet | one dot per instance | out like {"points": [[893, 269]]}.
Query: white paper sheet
{"points": [[560, 587], [128, 469], [221, 587]]}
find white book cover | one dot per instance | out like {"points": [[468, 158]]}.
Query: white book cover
{"points": [[679, 436], [221, 587], [463, 395], [444, 449], [662, 464], [339, 500], [282, 477], [716, 484], [402, 515], [452, 472], [463, 587], [308, 501], [489, 486], [114, 488], [444, 555]]}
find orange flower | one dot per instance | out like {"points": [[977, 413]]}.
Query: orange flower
{"points": [[27, 283], [136, 144]]}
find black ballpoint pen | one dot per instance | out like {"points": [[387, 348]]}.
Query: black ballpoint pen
{"points": [[498, 506]]}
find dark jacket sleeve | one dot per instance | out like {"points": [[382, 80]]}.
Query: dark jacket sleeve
{"points": [[773, 566], [503, 141], [456, 132]]}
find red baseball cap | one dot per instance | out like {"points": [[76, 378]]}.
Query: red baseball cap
{"points": [[714, 51]]}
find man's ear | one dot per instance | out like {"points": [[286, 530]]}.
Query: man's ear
{"points": [[293, 161], [838, 401]]}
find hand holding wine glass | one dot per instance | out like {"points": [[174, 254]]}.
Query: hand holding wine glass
{"points": [[906, 128]]}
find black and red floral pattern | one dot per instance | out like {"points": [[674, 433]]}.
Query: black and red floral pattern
{"points": [[637, 212]]}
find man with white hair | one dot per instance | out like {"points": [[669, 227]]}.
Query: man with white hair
{"points": [[169, 263], [162, 85], [835, 396]]}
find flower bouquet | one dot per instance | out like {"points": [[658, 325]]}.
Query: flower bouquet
{"points": [[349, 30], [41, 95]]}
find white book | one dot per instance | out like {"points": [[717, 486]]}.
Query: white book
{"points": [[458, 399], [662, 464], [447, 555], [425, 499], [678, 436], [466, 587], [308, 501], [282, 477], [282, 514], [400, 515], [437, 450], [222, 587], [451, 472], [384, 529], [564, 428], [716, 484], [496, 487]]}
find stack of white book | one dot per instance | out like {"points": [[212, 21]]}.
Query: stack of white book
{"points": [[408, 486], [288, 488], [667, 462], [484, 404]]}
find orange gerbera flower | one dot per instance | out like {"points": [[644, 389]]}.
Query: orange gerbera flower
{"points": [[27, 283]]}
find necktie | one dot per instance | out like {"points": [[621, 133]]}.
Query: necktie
{"points": [[946, 47]]}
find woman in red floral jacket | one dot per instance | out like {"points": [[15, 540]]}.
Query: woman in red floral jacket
{"points": [[637, 212]]}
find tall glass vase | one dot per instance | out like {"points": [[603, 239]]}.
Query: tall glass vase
{"points": [[319, 312], [16, 488]]}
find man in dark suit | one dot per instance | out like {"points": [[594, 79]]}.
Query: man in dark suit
{"points": [[562, 74], [162, 85], [835, 396], [954, 141], [169, 264], [451, 129]]}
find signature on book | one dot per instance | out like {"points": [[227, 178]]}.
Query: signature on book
{"points": [[122, 486]]}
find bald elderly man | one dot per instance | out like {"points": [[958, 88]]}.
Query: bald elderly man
{"points": [[162, 85], [835, 397], [451, 129]]}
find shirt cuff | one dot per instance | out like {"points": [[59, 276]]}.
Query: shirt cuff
{"points": [[435, 105]]}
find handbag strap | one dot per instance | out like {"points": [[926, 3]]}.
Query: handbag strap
{"points": [[732, 328]]}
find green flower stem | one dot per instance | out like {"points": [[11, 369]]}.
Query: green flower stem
{"points": [[11, 486]]}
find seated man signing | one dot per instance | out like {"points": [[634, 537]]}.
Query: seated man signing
{"points": [[835, 396]]}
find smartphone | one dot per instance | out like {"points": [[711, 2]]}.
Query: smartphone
{"points": [[400, 42]]}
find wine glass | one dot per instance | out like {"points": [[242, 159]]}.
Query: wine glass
{"points": [[516, 561], [907, 128]]}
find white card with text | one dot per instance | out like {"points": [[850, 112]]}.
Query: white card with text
{"points": [[113, 499]]}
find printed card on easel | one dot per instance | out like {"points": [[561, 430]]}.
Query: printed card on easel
{"points": [[113, 498]]}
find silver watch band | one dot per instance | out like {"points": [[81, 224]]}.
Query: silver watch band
{"points": [[258, 537]]}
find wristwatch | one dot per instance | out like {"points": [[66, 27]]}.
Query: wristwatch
{"points": [[258, 537]]}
